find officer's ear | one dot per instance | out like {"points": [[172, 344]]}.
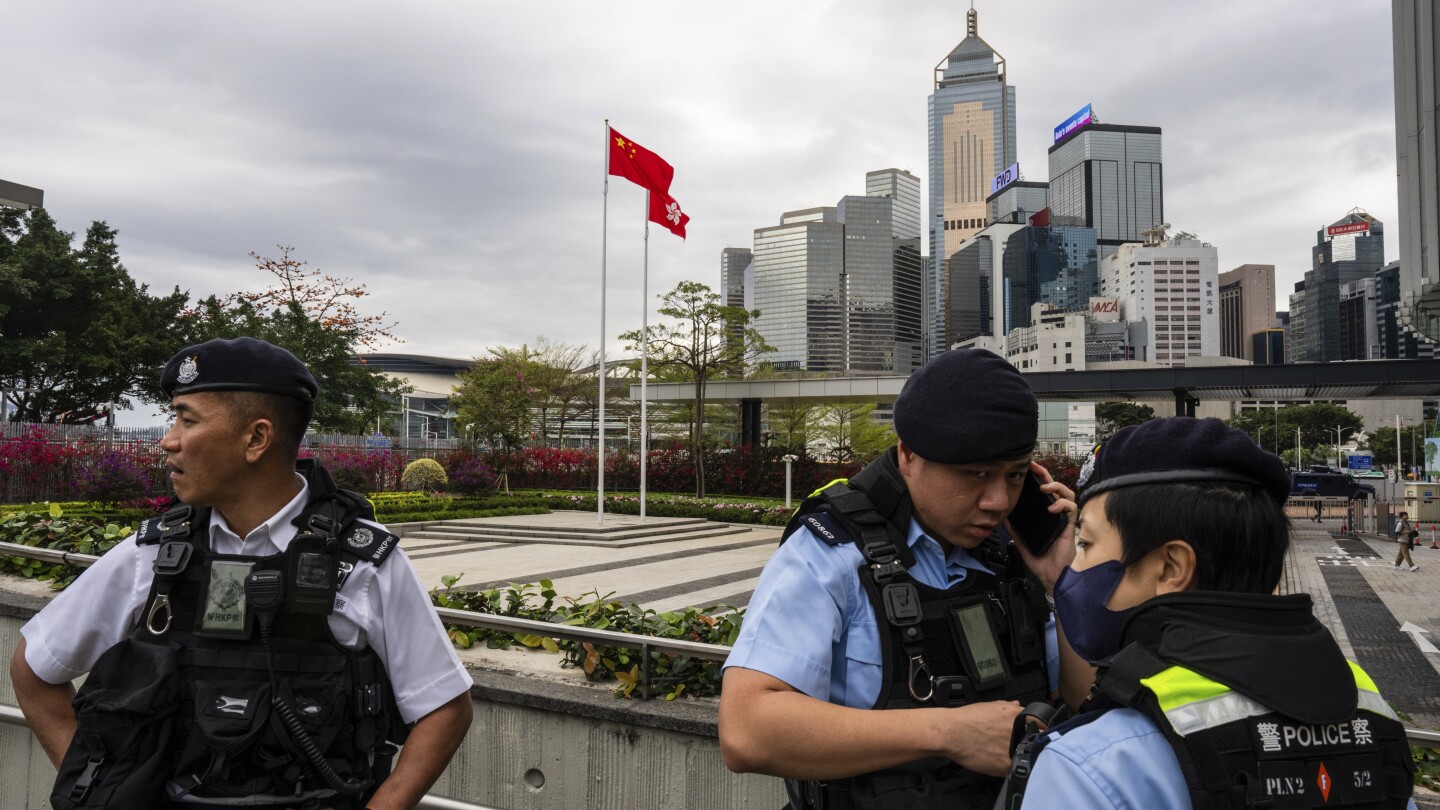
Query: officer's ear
{"points": [[908, 461], [259, 438], [1176, 561]]}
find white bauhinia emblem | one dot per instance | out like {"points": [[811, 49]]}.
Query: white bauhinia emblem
{"points": [[189, 370], [360, 538], [672, 213]]}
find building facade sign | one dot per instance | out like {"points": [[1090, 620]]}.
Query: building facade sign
{"points": [[1074, 122], [1005, 178], [1354, 227]]}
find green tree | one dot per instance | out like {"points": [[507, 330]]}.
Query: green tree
{"points": [[1274, 429], [317, 318], [1381, 444], [852, 433], [794, 425], [1111, 416], [704, 339], [495, 397], [76, 331]]}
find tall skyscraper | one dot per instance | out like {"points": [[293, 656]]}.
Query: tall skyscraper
{"points": [[1033, 265], [838, 289], [733, 262], [1398, 341], [972, 139], [1247, 306], [799, 269], [1416, 28], [1172, 286], [1348, 250], [1108, 177], [1359, 333]]}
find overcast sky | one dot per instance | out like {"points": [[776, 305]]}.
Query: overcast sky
{"points": [[449, 155]]}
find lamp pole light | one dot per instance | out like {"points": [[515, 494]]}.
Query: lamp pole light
{"points": [[1299, 461], [1337, 446], [788, 459], [1397, 447]]}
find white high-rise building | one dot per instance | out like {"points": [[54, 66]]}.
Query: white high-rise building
{"points": [[1173, 286]]}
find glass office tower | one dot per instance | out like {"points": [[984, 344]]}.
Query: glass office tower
{"points": [[1347, 250], [1051, 265], [1108, 177], [799, 269], [971, 124]]}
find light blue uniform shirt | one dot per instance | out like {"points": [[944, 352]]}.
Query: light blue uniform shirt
{"points": [[1119, 762], [811, 625]]}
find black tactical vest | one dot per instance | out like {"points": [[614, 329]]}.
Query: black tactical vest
{"points": [[1347, 749], [982, 639], [268, 707]]}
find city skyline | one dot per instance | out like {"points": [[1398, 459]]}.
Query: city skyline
{"points": [[450, 158]]}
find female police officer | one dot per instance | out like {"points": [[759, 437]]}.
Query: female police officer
{"points": [[1211, 692]]}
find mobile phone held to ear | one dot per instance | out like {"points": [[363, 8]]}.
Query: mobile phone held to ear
{"points": [[1032, 520]]}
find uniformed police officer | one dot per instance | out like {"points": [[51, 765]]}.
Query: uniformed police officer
{"points": [[894, 591], [1211, 691], [265, 572]]}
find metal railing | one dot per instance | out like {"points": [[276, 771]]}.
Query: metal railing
{"points": [[507, 624]]}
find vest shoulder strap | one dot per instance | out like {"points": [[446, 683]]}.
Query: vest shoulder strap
{"points": [[824, 526], [178, 523]]}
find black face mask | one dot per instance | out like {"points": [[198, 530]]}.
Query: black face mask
{"points": [[1092, 629]]}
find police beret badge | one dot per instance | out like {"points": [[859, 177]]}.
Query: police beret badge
{"points": [[189, 370]]}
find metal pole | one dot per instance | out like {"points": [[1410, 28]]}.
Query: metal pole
{"points": [[644, 358], [604, 235], [787, 482], [1397, 447]]}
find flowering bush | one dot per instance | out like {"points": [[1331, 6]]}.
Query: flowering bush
{"points": [[423, 474], [471, 475], [112, 477]]}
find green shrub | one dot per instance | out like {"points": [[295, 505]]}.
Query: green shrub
{"points": [[423, 474], [675, 675], [53, 530]]}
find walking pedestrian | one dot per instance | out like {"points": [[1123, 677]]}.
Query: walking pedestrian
{"points": [[1318, 508], [1405, 535]]}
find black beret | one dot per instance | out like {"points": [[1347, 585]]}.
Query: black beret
{"points": [[241, 364], [967, 405], [1181, 449]]}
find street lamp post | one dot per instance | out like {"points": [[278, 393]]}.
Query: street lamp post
{"points": [[1338, 439], [1299, 462], [788, 459], [1398, 460]]}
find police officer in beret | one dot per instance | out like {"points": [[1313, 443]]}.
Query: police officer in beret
{"points": [[262, 644], [1211, 691], [898, 590]]}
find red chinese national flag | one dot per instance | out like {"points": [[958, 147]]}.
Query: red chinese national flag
{"points": [[639, 165], [664, 211]]}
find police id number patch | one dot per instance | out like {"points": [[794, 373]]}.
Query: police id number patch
{"points": [[223, 614], [1323, 782]]}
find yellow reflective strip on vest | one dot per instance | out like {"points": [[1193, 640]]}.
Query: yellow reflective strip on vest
{"points": [[1193, 702], [817, 492], [1177, 686], [1362, 679]]}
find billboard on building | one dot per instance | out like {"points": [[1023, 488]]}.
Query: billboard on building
{"points": [[1005, 178], [1085, 116], [1105, 310], [1354, 227]]}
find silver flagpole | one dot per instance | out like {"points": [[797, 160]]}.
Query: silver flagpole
{"points": [[644, 353], [604, 235]]}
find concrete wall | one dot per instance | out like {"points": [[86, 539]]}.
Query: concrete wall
{"points": [[537, 742]]}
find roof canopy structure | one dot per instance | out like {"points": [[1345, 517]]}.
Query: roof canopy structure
{"points": [[1371, 379]]}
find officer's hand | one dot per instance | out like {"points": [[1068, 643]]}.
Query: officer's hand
{"points": [[1062, 553], [980, 736]]}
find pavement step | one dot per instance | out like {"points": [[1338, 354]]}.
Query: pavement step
{"points": [[712, 530], [464, 527]]}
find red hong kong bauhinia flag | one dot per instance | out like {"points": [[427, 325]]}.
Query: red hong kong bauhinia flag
{"points": [[666, 212], [639, 165]]}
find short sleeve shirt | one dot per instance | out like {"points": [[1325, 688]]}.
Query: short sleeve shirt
{"points": [[811, 625], [384, 607]]}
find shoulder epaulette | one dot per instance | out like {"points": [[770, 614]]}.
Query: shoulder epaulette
{"points": [[149, 531], [369, 543], [825, 527]]}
